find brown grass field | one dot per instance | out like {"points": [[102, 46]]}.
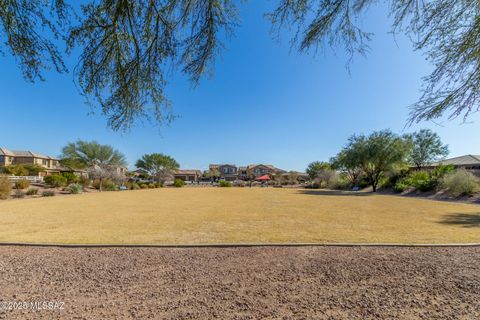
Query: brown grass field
{"points": [[236, 215]]}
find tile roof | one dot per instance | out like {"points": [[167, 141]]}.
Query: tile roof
{"points": [[188, 172], [22, 153], [465, 160]]}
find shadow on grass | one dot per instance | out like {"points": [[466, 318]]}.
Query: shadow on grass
{"points": [[466, 220], [317, 192]]}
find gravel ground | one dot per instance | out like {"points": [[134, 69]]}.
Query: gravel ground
{"points": [[243, 283]]}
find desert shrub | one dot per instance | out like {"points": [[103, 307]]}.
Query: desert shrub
{"points": [[420, 180], [32, 191], [179, 183], [151, 185], [143, 186], [400, 186], [17, 170], [75, 188], [439, 172], [224, 184], [70, 176], [19, 193], [158, 185], [22, 184], [84, 181], [338, 182], [48, 193], [110, 187], [107, 185], [461, 182], [5, 188], [239, 183], [55, 181]]}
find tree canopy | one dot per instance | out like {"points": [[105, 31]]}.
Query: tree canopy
{"points": [[377, 153], [158, 165], [127, 48], [427, 147]]}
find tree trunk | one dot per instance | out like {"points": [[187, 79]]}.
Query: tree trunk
{"points": [[101, 185]]}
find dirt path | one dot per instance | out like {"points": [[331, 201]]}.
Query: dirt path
{"points": [[243, 283]]}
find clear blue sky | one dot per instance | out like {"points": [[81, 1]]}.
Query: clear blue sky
{"points": [[265, 104]]}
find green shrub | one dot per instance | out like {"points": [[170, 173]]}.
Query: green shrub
{"points": [[107, 185], [75, 188], [143, 186], [110, 187], [151, 185], [48, 193], [461, 183], [224, 184], [17, 170], [158, 185], [32, 191], [22, 184], [70, 176], [179, 183], [439, 172], [400, 186], [55, 181], [338, 182], [5, 188], [420, 180]]}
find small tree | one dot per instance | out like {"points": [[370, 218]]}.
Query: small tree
{"points": [[427, 147], [17, 170], [315, 168], [101, 161], [213, 174], [158, 165], [349, 163], [378, 153]]}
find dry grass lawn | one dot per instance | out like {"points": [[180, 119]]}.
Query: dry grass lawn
{"points": [[236, 215]]}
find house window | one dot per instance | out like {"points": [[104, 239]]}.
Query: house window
{"points": [[44, 162], [2, 158]]}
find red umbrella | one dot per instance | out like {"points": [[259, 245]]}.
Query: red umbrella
{"points": [[264, 178]]}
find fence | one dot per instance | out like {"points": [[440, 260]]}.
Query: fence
{"points": [[34, 179]]}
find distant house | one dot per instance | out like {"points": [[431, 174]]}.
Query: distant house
{"points": [[49, 164], [468, 162], [256, 170], [188, 175]]}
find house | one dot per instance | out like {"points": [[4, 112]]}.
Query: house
{"points": [[256, 170], [468, 162], [228, 172], [188, 175], [10, 157], [49, 164]]}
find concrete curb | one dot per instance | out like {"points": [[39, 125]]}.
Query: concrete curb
{"points": [[238, 245]]}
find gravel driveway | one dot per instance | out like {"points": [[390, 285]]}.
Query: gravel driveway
{"points": [[242, 283]]}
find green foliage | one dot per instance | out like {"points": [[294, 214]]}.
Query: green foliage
{"points": [[70, 176], [5, 188], [32, 192], [339, 182], [179, 183], [75, 188], [461, 183], [420, 180], [151, 185], [376, 154], [158, 165], [224, 184], [22, 184], [55, 180], [427, 147], [48, 193], [17, 170], [107, 185], [315, 168], [349, 163], [400, 186]]}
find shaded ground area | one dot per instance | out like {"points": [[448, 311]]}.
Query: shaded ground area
{"points": [[244, 283]]}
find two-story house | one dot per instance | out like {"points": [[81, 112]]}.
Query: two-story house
{"points": [[15, 157], [257, 170]]}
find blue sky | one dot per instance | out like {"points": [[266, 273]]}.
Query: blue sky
{"points": [[264, 104]]}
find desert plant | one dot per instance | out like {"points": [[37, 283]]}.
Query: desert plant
{"points": [[32, 192], [70, 176], [158, 185], [19, 193], [400, 186], [75, 188], [461, 183], [84, 181], [22, 184], [5, 188], [224, 184], [179, 183], [48, 193], [420, 180], [151, 185], [55, 181], [143, 186]]}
